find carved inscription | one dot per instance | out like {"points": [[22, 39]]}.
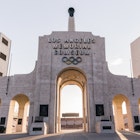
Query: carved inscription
{"points": [[71, 46]]}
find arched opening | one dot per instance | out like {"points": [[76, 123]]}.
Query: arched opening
{"points": [[18, 114], [76, 117], [71, 108], [122, 113], [71, 100]]}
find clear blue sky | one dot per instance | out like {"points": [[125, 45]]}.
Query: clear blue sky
{"points": [[23, 21]]}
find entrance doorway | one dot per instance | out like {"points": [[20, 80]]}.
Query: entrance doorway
{"points": [[71, 107], [122, 113], [71, 103], [18, 114]]}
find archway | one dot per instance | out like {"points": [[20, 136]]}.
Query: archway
{"points": [[77, 78], [71, 107], [122, 113], [18, 114]]}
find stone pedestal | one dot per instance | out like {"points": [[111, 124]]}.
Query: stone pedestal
{"points": [[38, 128], [105, 127]]}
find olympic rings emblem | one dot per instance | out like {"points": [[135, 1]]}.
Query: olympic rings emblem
{"points": [[72, 60]]}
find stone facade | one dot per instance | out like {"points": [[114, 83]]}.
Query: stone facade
{"points": [[69, 58]]}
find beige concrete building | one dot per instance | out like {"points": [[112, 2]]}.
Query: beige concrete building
{"points": [[5, 46], [31, 102], [135, 55]]}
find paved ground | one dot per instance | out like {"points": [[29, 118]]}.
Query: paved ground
{"points": [[131, 135], [74, 136], [66, 136]]}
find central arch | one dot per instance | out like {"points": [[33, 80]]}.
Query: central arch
{"points": [[72, 76]]}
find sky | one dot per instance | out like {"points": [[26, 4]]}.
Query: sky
{"points": [[74, 103], [23, 21]]}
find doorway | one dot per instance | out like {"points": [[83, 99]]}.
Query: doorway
{"points": [[71, 108], [18, 114], [122, 113], [74, 117]]}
